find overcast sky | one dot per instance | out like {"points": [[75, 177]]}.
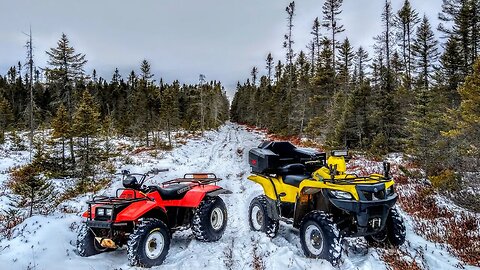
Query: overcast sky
{"points": [[222, 39]]}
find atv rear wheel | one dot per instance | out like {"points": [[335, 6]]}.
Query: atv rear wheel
{"points": [[86, 243], [320, 237], [393, 234], [148, 244], [259, 219], [210, 219]]}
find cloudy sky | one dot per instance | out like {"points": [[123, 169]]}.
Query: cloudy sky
{"points": [[180, 38]]}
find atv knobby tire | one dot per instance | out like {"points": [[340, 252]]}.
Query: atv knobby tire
{"points": [[210, 219], [259, 219], [86, 243], [393, 235], [148, 245], [320, 237]]}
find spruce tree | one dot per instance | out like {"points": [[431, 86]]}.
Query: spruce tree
{"points": [[66, 68], [331, 12], [61, 129], [33, 189], [425, 51], [405, 21], [6, 117], [86, 125]]}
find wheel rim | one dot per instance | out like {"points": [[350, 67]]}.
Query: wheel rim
{"points": [[314, 239], [257, 218], [216, 218], [154, 245]]}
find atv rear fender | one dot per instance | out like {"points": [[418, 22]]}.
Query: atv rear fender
{"points": [[266, 183]]}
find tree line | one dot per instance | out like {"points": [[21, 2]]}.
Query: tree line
{"points": [[418, 93], [80, 107]]}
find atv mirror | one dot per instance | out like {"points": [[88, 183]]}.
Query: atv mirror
{"points": [[386, 169], [340, 153]]}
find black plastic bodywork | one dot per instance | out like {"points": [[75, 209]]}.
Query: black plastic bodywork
{"points": [[269, 156], [354, 218]]}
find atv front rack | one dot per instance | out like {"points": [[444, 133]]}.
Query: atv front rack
{"points": [[195, 178]]}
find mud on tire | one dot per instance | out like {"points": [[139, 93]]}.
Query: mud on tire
{"points": [[210, 219], [393, 235], [86, 243], [148, 244], [320, 237], [259, 219]]}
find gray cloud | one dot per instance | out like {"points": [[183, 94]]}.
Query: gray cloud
{"points": [[181, 38]]}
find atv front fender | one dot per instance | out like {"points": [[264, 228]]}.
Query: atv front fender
{"points": [[266, 183], [137, 210]]}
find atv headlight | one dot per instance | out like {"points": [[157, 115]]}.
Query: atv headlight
{"points": [[100, 212], [103, 212], [341, 194]]}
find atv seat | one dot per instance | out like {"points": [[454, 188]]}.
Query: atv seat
{"points": [[173, 191], [293, 174], [294, 180]]}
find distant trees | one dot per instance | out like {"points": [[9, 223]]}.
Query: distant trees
{"points": [[409, 96]]}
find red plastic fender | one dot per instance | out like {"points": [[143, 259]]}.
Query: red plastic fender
{"points": [[193, 197], [136, 210]]}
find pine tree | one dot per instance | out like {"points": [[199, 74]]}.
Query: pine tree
{"points": [[32, 188], [405, 21], [86, 125], [467, 121], [331, 11], [269, 66], [64, 71], [61, 129], [254, 74], [6, 118], [425, 51], [345, 62]]}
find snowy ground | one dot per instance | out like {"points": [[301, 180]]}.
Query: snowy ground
{"points": [[49, 242]]}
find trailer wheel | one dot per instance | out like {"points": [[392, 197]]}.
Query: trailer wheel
{"points": [[320, 237], [210, 219], [259, 219], [86, 243], [148, 245]]}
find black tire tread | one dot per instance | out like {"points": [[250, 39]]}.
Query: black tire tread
{"points": [[271, 225], [331, 234], [201, 220]]}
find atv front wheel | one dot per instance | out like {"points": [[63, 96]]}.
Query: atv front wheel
{"points": [[320, 237], [210, 219], [86, 243], [148, 244], [259, 219], [393, 234]]}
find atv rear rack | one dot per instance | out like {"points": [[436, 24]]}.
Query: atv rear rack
{"points": [[196, 178]]}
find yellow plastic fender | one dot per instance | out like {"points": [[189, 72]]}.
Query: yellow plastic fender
{"points": [[268, 188]]}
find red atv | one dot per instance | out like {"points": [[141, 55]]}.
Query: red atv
{"points": [[144, 217]]}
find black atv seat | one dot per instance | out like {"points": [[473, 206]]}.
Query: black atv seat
{"points": [[294, 180], [295, 168], [173, 191]]}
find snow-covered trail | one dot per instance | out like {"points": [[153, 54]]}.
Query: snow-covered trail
{"points": [[49, 242]]}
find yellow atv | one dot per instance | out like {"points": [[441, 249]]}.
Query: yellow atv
{"points": [[316, 195]]}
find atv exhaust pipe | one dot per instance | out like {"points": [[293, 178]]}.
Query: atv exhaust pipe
{"points": [[106, 242]]}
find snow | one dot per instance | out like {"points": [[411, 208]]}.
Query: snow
{"points": [[48, 242]]}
